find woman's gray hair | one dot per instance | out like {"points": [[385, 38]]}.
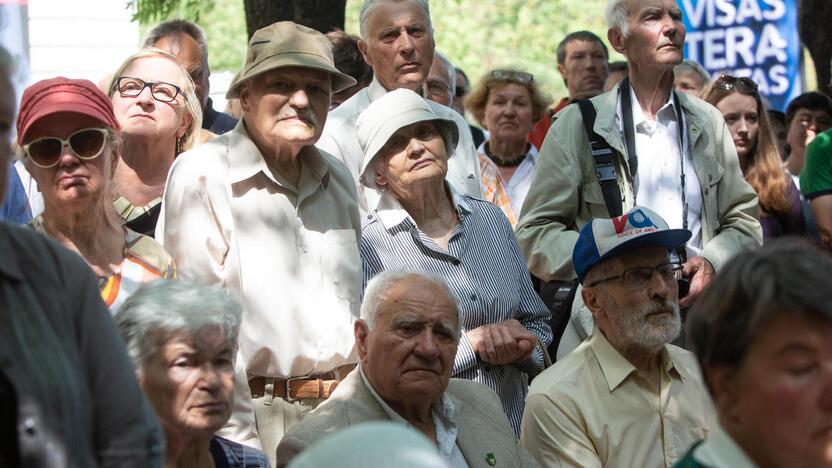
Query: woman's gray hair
{"points": [[787, 277], [375, 293], [192, 104], [617, 15], [163, 308], [367, 8], [693, 67]]}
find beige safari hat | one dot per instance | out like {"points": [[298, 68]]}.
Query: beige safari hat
{"points": [[386, 115], [287, 44]]}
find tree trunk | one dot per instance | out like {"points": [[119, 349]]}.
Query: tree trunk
{"points": [[813, 20], [323, 15]]}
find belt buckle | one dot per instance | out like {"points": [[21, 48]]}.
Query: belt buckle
{"points": [[291, 399]]}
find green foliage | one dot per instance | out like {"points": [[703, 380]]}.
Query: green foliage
{"points": [[224, 23], [479, 36], [476, 35]]}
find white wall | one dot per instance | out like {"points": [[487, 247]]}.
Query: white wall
{"points": [[79, 38]]}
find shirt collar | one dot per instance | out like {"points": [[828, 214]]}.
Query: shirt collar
{"points": [[532, 153], [616, 368], [376, 89], [391, 213], [9, 266], [443, 408], [246, 161], [665, 113]]}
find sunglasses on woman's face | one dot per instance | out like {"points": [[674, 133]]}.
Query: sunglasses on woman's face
{"points": [[87, 143], [728, 83]]}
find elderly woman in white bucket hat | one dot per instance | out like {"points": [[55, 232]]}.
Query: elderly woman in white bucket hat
{"points": [[422, 224]]}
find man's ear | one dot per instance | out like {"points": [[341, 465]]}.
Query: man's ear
{"points": [[592, 300], [616, 40], [562, 71], [723, 385], [362, 47], [361, 331]]}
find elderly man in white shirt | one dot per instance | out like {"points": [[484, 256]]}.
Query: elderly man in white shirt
{"points": [[262, 212], [397, 41]]}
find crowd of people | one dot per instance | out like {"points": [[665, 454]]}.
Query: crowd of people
{"points": [[342, 269]]}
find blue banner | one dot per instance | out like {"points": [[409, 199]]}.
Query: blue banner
{"points": [[757, 39]]}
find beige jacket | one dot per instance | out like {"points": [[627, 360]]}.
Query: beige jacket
{"points": [[484, 431], [565, 192]]}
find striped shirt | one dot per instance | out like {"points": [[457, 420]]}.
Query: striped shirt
{"points": [[483, 267]]}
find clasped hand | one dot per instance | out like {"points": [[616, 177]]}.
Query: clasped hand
{"points": [[501, 343]]}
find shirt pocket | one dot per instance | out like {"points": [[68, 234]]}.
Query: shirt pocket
{"points": [[340, 264]]}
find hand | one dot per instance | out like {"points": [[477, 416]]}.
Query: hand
{"points": [[502, 343], [700, 272]]}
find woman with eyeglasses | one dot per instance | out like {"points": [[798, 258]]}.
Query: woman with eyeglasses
{"points": [[422, 224], [70, 140], [507, 103], [781, 211], [160, 116]]}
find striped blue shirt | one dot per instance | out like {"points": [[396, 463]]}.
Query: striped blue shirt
{"points": [[484, 268]]}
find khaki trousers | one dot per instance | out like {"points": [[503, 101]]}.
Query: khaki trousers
{"points": [[274, 416]]}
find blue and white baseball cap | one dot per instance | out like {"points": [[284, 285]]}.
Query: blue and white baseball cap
{"points": [[602, 239]]}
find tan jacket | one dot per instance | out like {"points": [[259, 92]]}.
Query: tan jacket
{"points": [[483, 427], [565, 192]]}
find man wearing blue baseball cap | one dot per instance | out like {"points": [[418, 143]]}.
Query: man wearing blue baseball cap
{"points": [[624, 397]]}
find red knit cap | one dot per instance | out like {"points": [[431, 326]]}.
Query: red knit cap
{"points": [[47, 97]]}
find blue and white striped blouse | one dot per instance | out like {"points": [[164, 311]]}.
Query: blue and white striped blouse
{"points": [[484, 268]]}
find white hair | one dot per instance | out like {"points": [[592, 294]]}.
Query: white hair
{"points": [[368, 6], [689, 66], [617, 14], [449, 66], [375, 294], [162, 308]]}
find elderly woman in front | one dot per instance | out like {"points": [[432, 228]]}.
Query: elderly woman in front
{"points": [[71, 141], [422, 224], [160, 116], [507, 103], [182, 338], [762, 333]]}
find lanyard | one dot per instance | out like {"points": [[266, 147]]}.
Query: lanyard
{"points": [[630, 142]]}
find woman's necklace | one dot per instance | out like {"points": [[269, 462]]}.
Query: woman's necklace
{"points": [[513, 162]]}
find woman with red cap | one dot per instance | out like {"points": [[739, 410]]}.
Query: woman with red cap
{"points": [[70, 141]]}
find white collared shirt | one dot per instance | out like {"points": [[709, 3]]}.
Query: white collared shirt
{"points": [[340, 138], [443, 423], [657, 183], [518, 186]]}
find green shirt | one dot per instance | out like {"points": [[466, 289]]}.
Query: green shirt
{"points": [[816, 176]]}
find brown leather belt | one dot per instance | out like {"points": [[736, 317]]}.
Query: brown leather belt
{"points": [[316, 387]]}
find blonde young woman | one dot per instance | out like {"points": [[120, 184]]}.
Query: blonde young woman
{"points": [[160, 116]]}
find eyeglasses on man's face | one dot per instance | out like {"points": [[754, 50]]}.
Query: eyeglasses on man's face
{"points": [[640, 277]]}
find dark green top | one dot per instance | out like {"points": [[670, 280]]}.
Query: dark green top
{"points": [[816, 176], [688, 461]]}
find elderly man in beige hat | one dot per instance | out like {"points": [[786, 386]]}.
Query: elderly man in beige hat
{"points": [[262, 212], [397, 41]]}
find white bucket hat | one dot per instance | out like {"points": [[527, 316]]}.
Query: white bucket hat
{"points": [[391, 112]]}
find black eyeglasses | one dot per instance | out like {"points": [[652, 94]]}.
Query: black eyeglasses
{"points": [[512, 75], [728, 83], [161, 91], [87, 143], [640, 277]]}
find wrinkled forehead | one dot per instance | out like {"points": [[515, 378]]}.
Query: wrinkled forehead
{"points": [[157, 68], [395, 14], [422, 301]]}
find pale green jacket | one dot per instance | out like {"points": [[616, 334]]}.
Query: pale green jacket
{"points": [[565, 193]]}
